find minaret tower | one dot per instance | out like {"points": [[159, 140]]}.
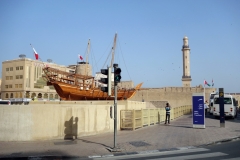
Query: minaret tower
{"points": [[186, 78]]}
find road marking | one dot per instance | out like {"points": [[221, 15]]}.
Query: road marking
{"points": [[195, 156], [155, 154]]}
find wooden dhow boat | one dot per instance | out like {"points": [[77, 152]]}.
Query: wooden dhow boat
{"points": [[74, 86]]}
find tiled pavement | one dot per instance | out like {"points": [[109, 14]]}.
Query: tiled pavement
{"points": [[156, 137]]}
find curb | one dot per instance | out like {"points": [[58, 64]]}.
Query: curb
{"points": [[221, 141]]}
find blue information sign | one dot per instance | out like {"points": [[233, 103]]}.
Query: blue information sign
{"points": [[198, 111]]}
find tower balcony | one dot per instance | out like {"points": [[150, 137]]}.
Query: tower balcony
{"points": [[186, 77], [185, 46]]}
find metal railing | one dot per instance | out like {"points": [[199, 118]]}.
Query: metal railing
{"points": [[133, 119]]}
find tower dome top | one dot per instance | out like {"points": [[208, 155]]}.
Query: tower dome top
{"points": [[185, 37]]}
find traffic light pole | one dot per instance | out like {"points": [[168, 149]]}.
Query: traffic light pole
{"points": [[115, 115], [115, 110]]}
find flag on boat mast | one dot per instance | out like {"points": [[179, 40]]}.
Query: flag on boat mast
{"points": [[80, 57], [35, 53]]}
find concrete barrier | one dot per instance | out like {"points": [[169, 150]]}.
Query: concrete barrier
{"points": [[64, 119]]}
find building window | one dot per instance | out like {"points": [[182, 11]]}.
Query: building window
{"points": [[20, 86], [33, 95], [19, 76], [10, 86], [6, 95], [7, 77], [45, 96], [7, 69], [16, 85], [51, 96], [17, 68], [11, 68], [39, 95], [20, 95], [16, 95], [11, 96], [6, 86], [56, 96], [21, 67]]}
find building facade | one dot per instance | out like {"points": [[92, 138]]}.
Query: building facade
{"points": [[23, 78]]}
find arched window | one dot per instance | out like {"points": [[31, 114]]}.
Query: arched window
{"points": [[20, 95], [16, 95], [56, 96], [45, 96], [33, 95], [11, 95], [6, 95], [27, 94], [51, 96], [39, 95]]}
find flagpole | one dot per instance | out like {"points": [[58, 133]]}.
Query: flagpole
{"points": [[204, 92], [32, 48]]}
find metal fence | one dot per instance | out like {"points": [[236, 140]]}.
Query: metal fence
{"points": [[133, 119]]}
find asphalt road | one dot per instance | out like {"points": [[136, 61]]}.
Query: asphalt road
{"points": [[221, 151]]}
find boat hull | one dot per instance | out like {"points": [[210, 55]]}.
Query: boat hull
{"points": [[72, 92]]}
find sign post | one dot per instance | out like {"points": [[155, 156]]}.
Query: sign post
{"points": [[221, 107], [198, 111]]}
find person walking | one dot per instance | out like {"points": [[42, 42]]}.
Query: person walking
{"points": [[206, 107], [167, 108]]}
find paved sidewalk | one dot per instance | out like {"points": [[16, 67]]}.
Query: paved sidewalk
{"points": [[148, 139]]}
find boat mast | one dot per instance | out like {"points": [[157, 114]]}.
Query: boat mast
{"points": [[113, 49], [88, 51]]}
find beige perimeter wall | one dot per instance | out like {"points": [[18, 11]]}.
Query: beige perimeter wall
{"points": [[176, 96], [53, 120]]}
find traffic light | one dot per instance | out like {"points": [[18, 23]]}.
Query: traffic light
{"points": [[107, 80], [117, 75]]}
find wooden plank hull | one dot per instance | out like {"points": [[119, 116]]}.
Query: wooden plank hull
{"points": [[72, 92], [80, 87]]}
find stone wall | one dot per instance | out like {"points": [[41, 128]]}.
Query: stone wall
{"points": [[176, 96]]}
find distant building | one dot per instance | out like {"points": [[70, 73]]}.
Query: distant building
{"points": [[186, 78], [23, 78]]}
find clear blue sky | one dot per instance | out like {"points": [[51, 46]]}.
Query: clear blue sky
{"points": [[150, 34]]}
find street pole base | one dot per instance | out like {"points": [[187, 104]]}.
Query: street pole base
{"points": [[114, 149], [222, 125]]}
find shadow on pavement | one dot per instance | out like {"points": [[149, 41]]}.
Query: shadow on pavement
{"points": [[86, 141], [180, 126]]}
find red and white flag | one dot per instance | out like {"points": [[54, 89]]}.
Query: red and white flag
{"points": [[81, 58], [36, 54]]}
